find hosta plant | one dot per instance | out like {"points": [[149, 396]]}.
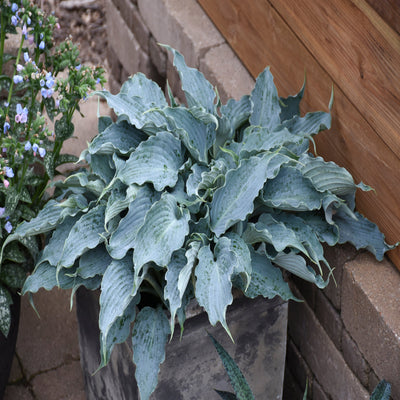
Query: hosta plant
{"points": [[186, 202]]}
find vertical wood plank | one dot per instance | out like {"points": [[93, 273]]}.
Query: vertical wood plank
{"points": [[260, 36]]}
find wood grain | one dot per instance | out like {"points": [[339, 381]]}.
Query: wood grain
{"points": [[260, 36]]}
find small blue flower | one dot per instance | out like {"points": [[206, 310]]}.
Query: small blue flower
{"points": [[42, 82], [14, 7], [98, 80], [41, 45], [42, 152], [14, 20], [41, 36], [8, 227], [26, 57], [28, 146], [9, 172], [6, 127], [50, 83], [35, 147], [78, 67], [43, 92], [2, 210], [25, 31], [28, 21], [18, 79]]}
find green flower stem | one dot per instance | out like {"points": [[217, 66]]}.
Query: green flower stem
{"points": [[15, 70]]}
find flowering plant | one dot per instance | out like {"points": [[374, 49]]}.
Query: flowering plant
{"points": [[32, 93]]}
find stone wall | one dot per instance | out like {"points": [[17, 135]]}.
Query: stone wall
{"points": [[343, 339]]}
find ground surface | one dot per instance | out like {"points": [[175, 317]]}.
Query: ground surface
{"points": [[85, 21]]}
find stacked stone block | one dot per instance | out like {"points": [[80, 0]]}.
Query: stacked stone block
{"points": [[343, 339]]}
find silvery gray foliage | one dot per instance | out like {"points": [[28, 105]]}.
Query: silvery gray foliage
{"points": [[185, 202]]}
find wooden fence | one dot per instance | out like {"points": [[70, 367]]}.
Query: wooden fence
{"points": [[352, 44]]}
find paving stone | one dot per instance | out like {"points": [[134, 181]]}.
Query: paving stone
{"points": [[52, 340], [370, 311], [329, 318], [134, 21], [16, 372], [337, 256], [158, 57], [322, 356], [122, 40], [291, 389], [318, 393], [183, 25], [18, 392], [223, 68], [64, 383], [297, 366], [373, 381], [354, 358]]}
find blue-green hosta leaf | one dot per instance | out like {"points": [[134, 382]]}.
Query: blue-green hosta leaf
{"points": [[362, 234], [186, 271], [214, 177], [304, 233], [310, 124], [238, 381], [93, 262], [266, 280], [198, 91], [86, 234], [328, 233], [103, 122], [141, 86], [233, 115], [164, 231], [149, 337], [328, 176], [83, 180], [242, 264], [52, 252], [213, 283], [117, 291], [137, 96], [156, 160], [382, 391], [171, 290], [47, 277], [291, 191], [119, 200], [257, 138], [5, 312], [265, 99], [102, 165], [120, 137], [297, 265], [118, 332], [269, 230], [234, 201], [290, 106], [47, 218], [124, 237], [13, 275], [194, 179], [196, 130]]}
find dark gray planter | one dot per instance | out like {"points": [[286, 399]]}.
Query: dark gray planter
{"points": [[192, 368]]}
